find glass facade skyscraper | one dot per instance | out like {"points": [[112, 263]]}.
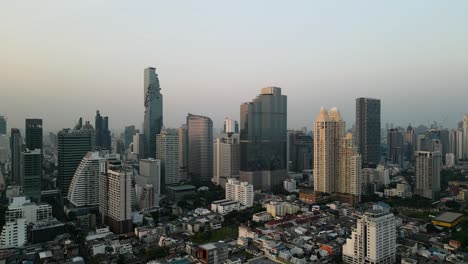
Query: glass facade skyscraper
{"points": [[200, 147], [103, 135], [34, 134], [153, 111], [368, 130], [263, 140]]}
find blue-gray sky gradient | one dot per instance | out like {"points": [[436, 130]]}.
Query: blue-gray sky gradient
{"points": [[61, 59]]}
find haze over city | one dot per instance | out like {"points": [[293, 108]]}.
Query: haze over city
{"points": [[63, 60]]}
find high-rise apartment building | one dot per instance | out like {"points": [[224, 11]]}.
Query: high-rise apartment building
{"points": [[373, 240], [3, 125], [150, 174], [72, 147], [138, 145], [200, 147], [368, 130], [115, 200], [83, 191], [409, 144], [350, 167], [16, 146], [103, 135], [167, 151], [34, 134], [465, 136], [300, 151], [242, 192], [230, 126], [427, 174], [153, 121], [460, 144], [453, 142], [263, 140], [329, 129], [182, 133], [30, 173], [226, 158], [395, 150]]}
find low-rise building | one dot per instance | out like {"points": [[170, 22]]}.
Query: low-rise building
{"points": [[225, 206]]}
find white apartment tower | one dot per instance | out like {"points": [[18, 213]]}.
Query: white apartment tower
{"points": [[167, 151], [350, 167], [226, 158], [373, 240], [241, 192], [427, 174]]}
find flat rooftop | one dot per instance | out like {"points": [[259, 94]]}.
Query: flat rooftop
{"points": [[448, 217], [182, 188]]}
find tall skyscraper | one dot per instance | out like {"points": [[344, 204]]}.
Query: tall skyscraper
{"points": [[263, 139], [128, 134], [138, 145], [167, 151], [460, 144], [453, 142], [300, 150], [427, 174], [72, 147], [153, 111], [226, 162], [368, 130], [409, 143], [150, 174], [16, 146], [329, 129], [182, 133], [465, 136], [200, 147], [31, 172], [3, 125], [350, 167], [115, 200], [373, 240], [103, 135], [395, 150], [34, 134], [230, 126], [83, 191]]}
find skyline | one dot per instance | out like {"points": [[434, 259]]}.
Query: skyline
{"points": [[411, 59]]}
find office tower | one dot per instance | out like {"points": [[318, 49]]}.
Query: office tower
{"points": [[83, 191], [182, 133], [395, 146], [453, 142], [3, 125], [230, 126], [31, 171], [128, 134], [350, 167], [150, 173], [153, 111], [200, 147], [263, 139], [427, 174], [34, 134], [115, 188], [167, 151], [368, 130], [328, 131], [226, 158], [300, 150], [409, 143], [241, 192], [373, 240], [103, 135], [460, 144], [16, 146], [73, 144], [465, 136], [138, 145]]}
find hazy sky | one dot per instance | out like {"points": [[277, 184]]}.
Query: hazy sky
{"points": [[60, 60]]}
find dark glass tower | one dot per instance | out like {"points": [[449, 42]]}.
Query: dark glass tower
{"points": [[263, 140], [395, 150], [72, 147], [153, 111], [31, 173], [3, 125], [16, 146], [200, 148], [103, 136], [34, 134], [368, 130], [129, 133]]}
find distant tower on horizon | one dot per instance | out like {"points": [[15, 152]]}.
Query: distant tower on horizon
{"points": [[395, 150], [465, 136], [103, 135], [16, 147], [200, 147], [153, 121], [263, 139], [34, 134], [231, 126], [31, 173], [3, 125], [368, 130]]}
